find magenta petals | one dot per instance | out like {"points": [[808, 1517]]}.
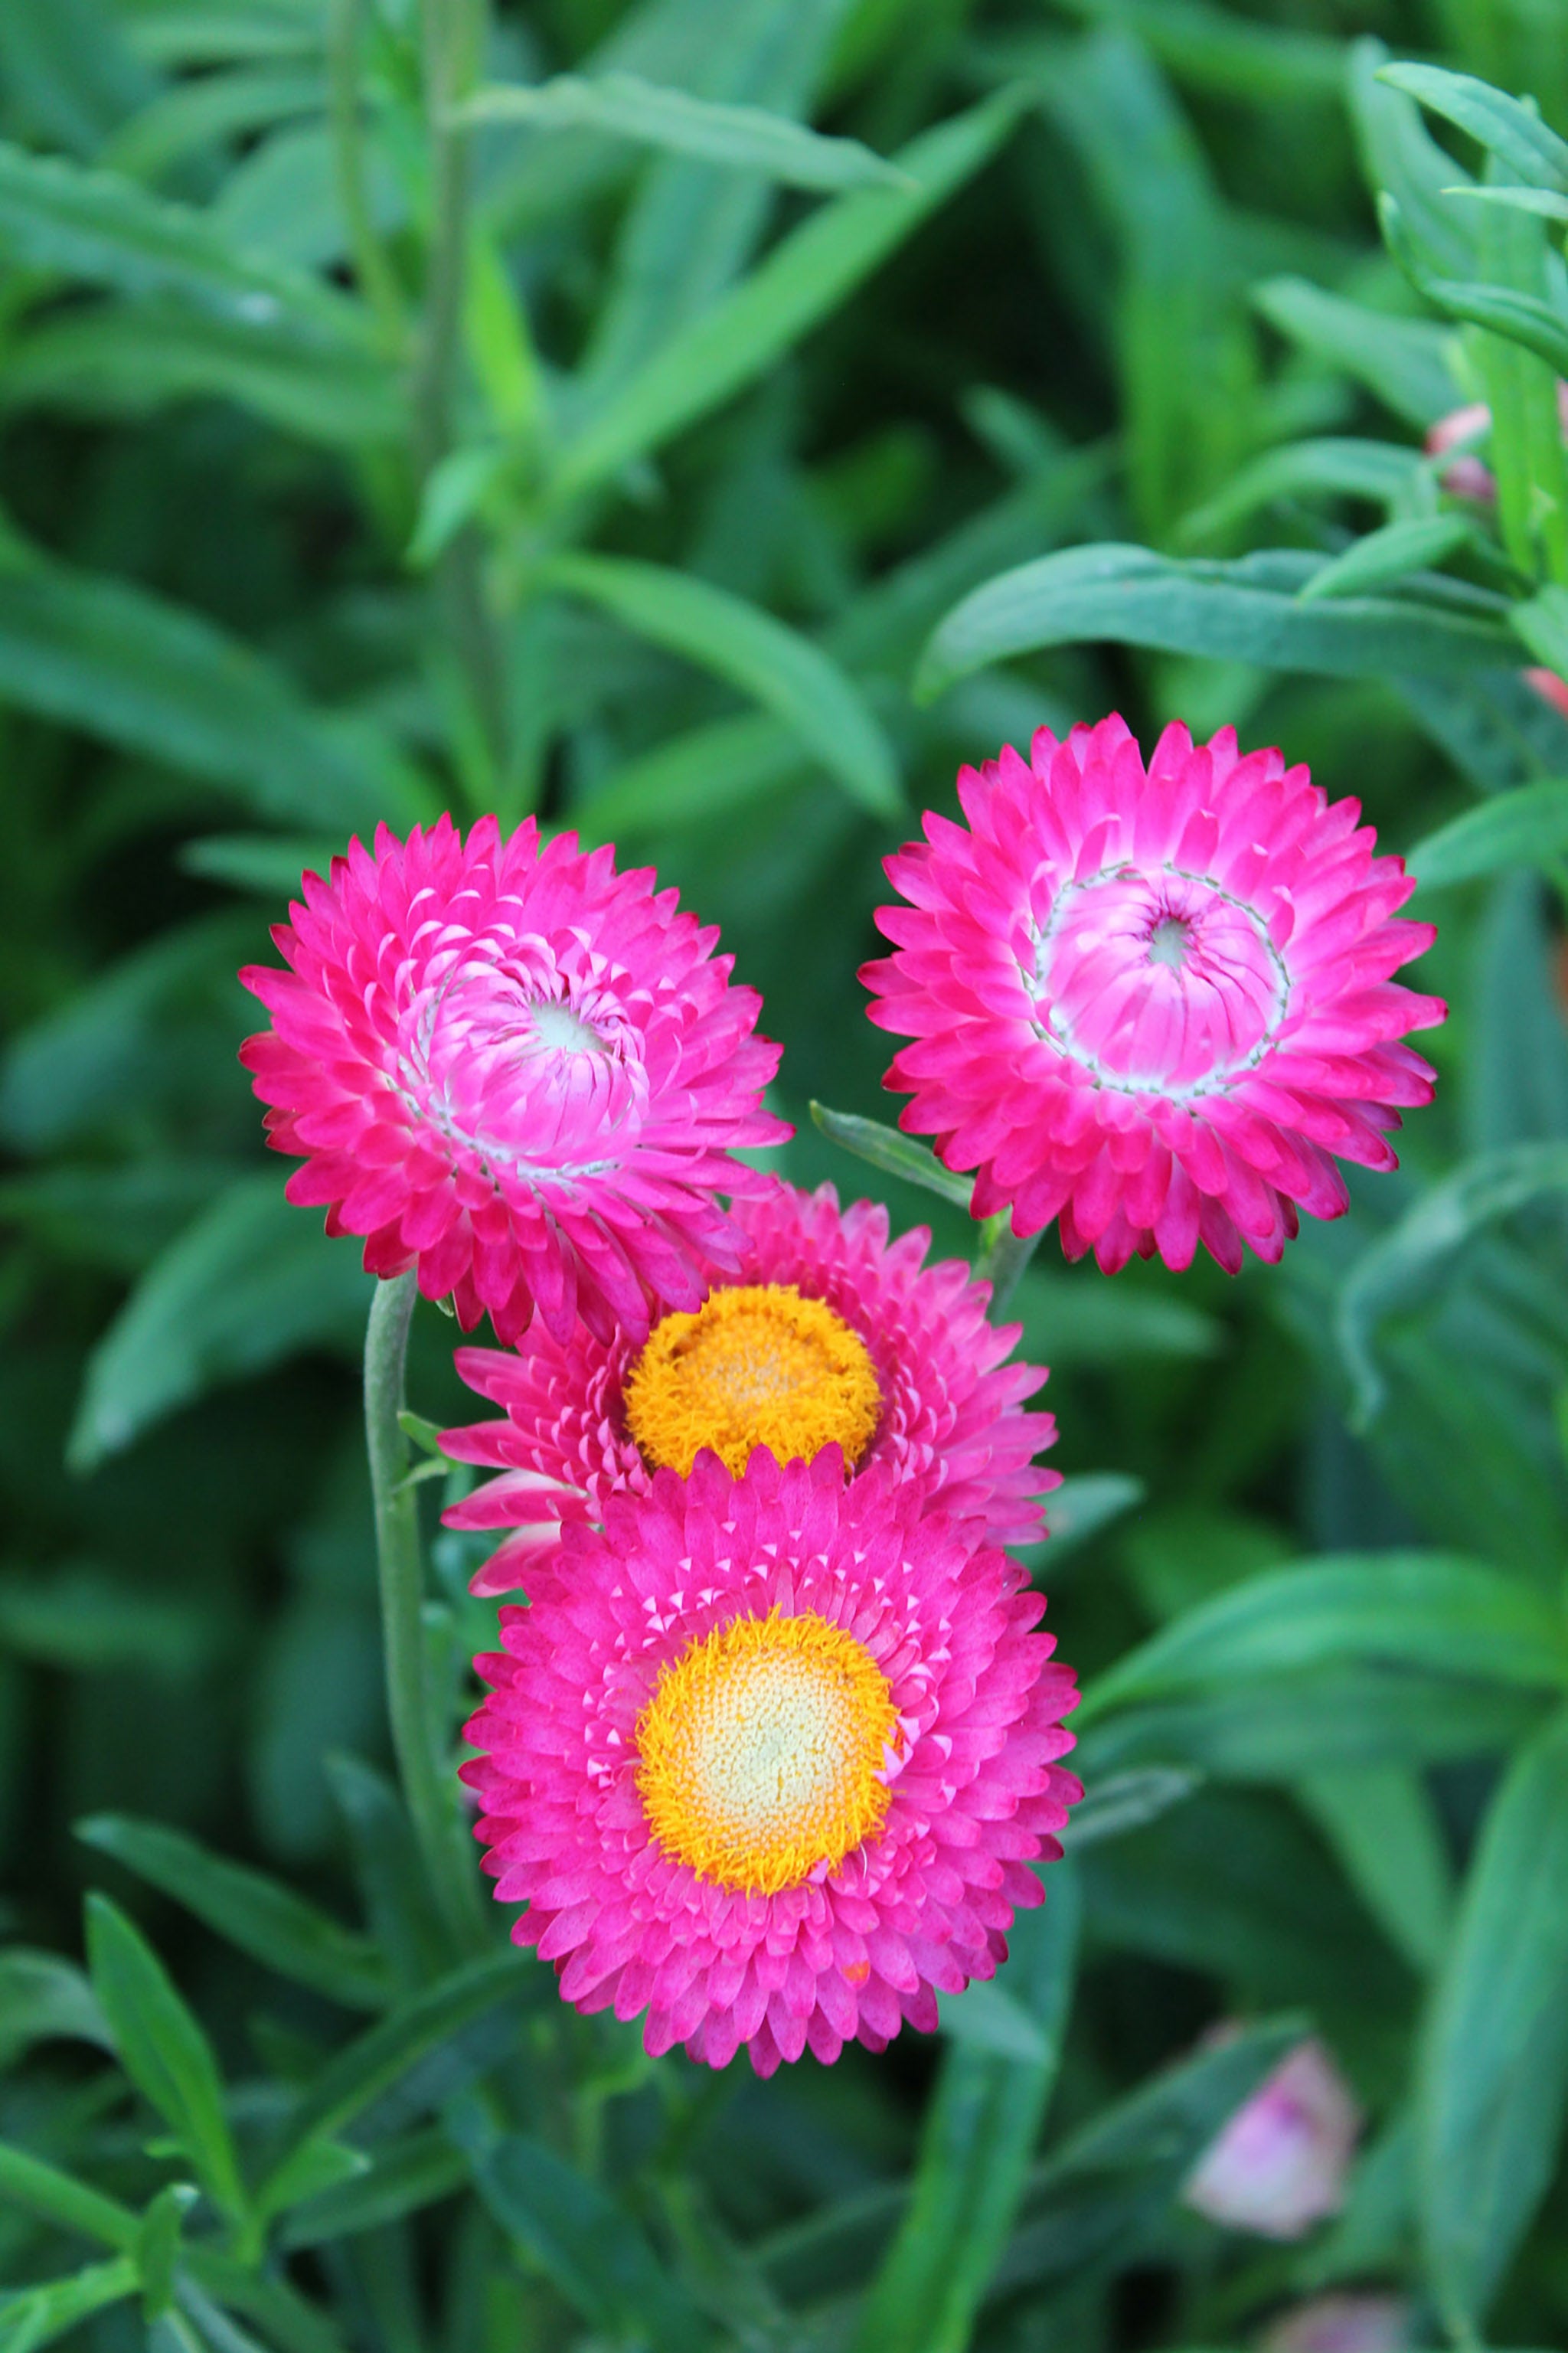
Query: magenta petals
{"points": [[515, 1069], [1154, 1004]]}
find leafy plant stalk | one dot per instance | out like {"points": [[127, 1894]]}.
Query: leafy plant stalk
{"points": [[1002, 1259], [401, 1574]]}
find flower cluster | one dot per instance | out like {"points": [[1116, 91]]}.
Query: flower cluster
{"points": [[771, 1751]]}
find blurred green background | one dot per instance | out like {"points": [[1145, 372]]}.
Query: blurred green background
{"points": [[367, 451]]}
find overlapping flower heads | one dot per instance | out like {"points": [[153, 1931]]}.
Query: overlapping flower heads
{"points": [[768, 1759], [1153, 1004], [828, 1332], [517, 1068]]}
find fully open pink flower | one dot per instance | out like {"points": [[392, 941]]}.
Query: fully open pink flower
{"points": [[946, 1412], [769, 1760], [516, 1068], [1154, 1004]]}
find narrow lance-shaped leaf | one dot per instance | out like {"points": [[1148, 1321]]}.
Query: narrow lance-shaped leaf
{"points": [[35, 2317], [1404, 362], [1249, 610], [1381, 557], [1403, 1263], [1514, 132], [1494, 2064], [894, 1154], [975, 2146], [161, 2047], [749, 137], [1528, 826], [800, 685], [257, 1912], [803, 280]]}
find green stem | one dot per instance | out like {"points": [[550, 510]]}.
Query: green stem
{"points": [[373, 267], [429, 1790], [454, 45], [1002, 1259]]}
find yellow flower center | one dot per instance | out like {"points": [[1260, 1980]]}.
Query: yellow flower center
{"points": [[759, 1750], [756, 1366]]}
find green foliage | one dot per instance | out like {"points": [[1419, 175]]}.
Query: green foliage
{"points": [[705, 424]]}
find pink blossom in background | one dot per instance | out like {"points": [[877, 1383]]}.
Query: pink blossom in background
{"points": [[1343, 2324], [952, 1422], [516, 1068], [1464, 476], [1282, 2161], [1153, 1004], [769, 1759]]}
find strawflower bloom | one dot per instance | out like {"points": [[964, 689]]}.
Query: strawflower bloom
{"points": [[1282, 2161], [1343, 2324], [1152, 1004], [769, 1760], [515, 1069], [827, 1333]]}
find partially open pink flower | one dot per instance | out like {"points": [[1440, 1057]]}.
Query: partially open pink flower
{"points": [[1154, 1004], [1281, 2163], [1343, 2324], [515, 1069], [826, 1333], [770, 1758]]}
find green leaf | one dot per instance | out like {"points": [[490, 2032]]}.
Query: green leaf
{"points": [[1086, 1503], [1385, 1831], [41, 1997], [400, 2178], [806, 277], [1528, 826], [369, 2067], [1493, 2075], [894, 1154], [1380, 470], [749, 137], [589, 2248], [1540, 622], [1401, 1265], [1431, 1611], [1523, 318], [1244, 611], [131, 359], [1389, 555], [1545, 204], [976, 2145], [208, 110], [316, 2167], [259, 862], [1404, 362], [102, 229], [804, 688], [125, 666], [257, 1912], [1101, 2199], [1124, 1802], [708, 772], [1071, 1320], [158, 2246], [60, 2199], [83, 1617], [1399, 157], [1509, 130], [37, 2316], [252, 1281], [161, 2047]]}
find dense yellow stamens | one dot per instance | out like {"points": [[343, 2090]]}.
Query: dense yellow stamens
{"points": [[756, 1366], [759, 1750]]}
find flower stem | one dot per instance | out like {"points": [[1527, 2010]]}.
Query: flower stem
{"points": [[1002, 1259], [429, 1790]]}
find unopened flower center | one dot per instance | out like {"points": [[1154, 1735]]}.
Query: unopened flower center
{"points": [[756, 1366], [760, 1754], [1155, 982]]}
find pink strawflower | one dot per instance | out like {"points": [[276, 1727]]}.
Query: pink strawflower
{"points": [[1282, 2161], [1151, 1003], [1343, 2324], [769, 1760], [946, 1412], [516, 1068]]}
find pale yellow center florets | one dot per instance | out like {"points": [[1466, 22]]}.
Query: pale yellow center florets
{"points": [[756, 1366], [760, 1754]]}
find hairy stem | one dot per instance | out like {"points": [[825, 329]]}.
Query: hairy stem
{"points": [[373, 269], [429, 1792]]}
